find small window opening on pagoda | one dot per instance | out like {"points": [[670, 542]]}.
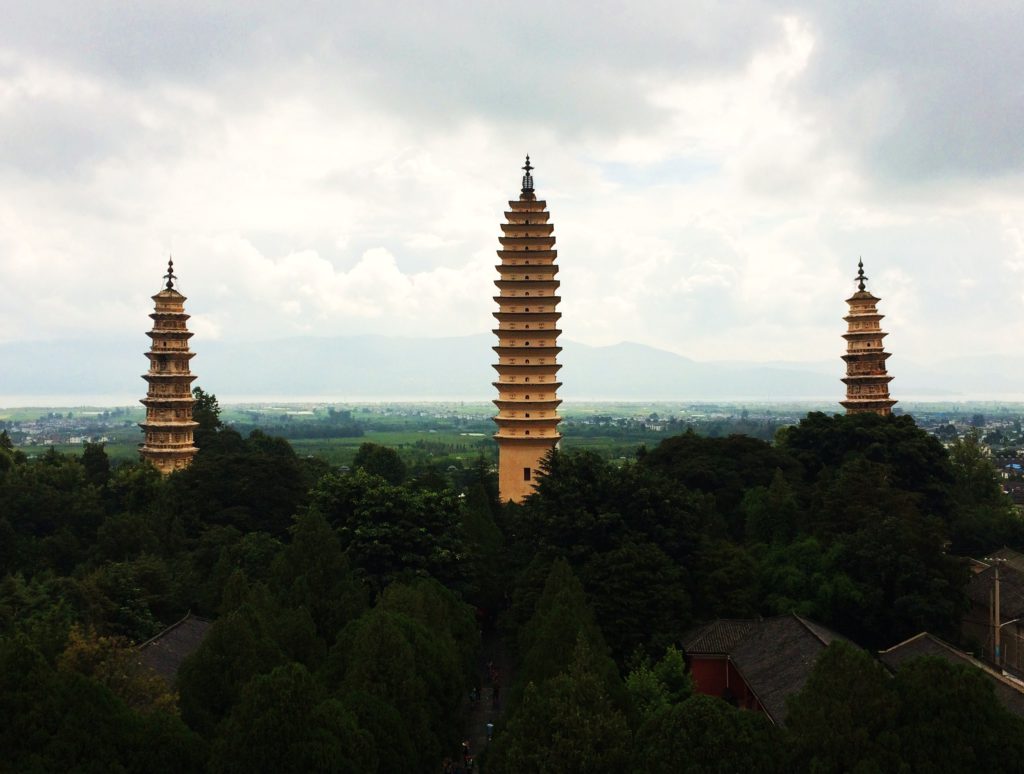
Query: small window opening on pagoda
{"points": [[526, 474]]}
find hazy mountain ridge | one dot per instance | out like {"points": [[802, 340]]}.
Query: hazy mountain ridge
{"points": [[391, 367]]}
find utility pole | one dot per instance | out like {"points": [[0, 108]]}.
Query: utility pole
{"points": [[996, 627], [995, 612]]}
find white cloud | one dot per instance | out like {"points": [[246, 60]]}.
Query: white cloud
{"points": [[709, 193]]}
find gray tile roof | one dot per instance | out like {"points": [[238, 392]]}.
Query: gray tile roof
{"points": [[719, 637], [1009, 691], [775, 656], [777, 659], [165, 652]]}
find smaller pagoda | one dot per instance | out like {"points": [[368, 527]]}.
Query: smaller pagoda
{"points": [[867, 383], [169, 403]]}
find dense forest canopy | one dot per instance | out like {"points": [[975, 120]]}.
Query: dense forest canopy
{"points": [[347, 606]]}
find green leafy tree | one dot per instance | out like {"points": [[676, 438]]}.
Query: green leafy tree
{"points": [[984, 517], [380, 461], [571, 724], [389, 531], [132, 599], [96, 464], [548, 641], [844, 719], [312, 572], [895, 555], [206, 412], [639, 597], [255, 484], [429, 603], [770, 513], [722, 467], [725, 576], [404, 664], [950, 720], [705, 735], [135, 487], [653, 688], [61, 720], [285, 722], [237, 647], [915, 461], [486, 562]]}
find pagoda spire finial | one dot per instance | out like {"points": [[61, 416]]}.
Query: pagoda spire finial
{"points": [[170, 276], [861, 278], [527, 178]]}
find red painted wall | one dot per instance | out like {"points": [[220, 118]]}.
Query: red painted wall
{"points": [[716, 676]]}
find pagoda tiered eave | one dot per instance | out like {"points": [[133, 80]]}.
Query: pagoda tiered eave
{"points": [[526, 333], [543, 242], [536, 386], [866, 355], [549, 300], [544, 316], [533, 255], [517, 405], [537, 268], [535, 229], [528, 203], [530, 351]]}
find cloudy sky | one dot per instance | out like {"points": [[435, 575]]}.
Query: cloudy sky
{"points": [[713, 169]]}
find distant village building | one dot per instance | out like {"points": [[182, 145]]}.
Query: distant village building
{"points": [[867, 383], [169, 403], [981, 622], [527, 348]]}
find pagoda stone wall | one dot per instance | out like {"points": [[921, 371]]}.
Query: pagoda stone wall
{"points": [[867, 382], [527, 349], [169, 425]]}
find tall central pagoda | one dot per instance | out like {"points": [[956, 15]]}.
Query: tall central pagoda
{"points": [[867, 383], [169, 403], [527, 348]]}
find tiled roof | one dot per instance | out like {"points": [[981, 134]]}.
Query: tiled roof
{"points": [[719, 637], [165, 652], [1009, 691], [777, 659], [775, 656]]}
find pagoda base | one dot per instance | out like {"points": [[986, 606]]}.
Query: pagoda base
{"points": [[880, 407], [519, 464]]}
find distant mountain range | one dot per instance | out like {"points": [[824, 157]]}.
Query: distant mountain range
{"points": [[371, 367]]}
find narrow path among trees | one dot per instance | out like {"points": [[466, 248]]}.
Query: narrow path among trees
{"points": [[494, 670]]}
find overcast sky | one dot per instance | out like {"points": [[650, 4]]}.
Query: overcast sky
{"points": [[713, 169]]}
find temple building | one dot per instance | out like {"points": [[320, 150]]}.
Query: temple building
{"points": [[867, 383], [169, 424], [527, 348]]}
